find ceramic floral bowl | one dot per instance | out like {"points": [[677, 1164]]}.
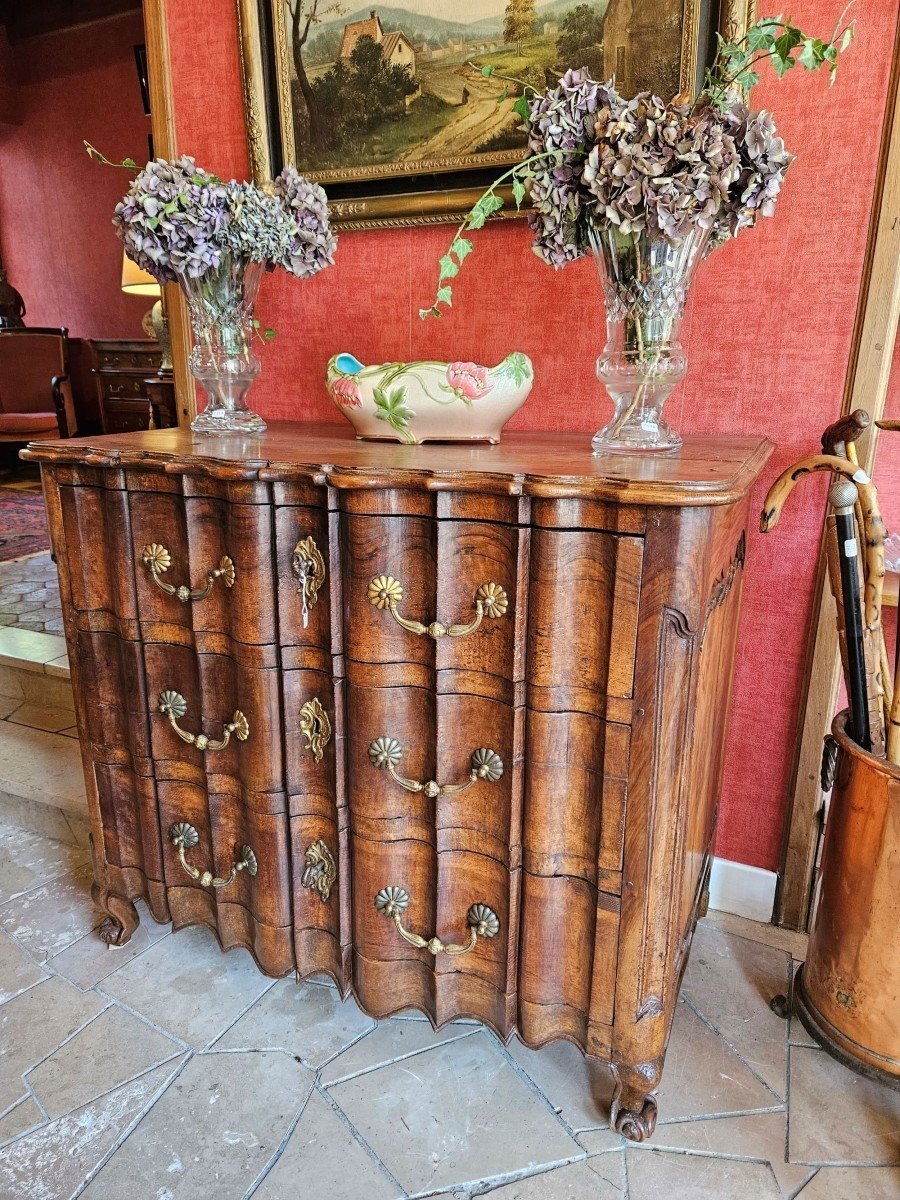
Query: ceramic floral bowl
{"points": [[429, 401]]}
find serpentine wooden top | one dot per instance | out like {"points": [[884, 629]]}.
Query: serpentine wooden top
{"points": [[706, 471]]}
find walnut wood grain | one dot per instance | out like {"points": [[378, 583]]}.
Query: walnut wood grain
{"points": [[603, 688]]}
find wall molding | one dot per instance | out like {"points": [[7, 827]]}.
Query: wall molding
{"points": [[746, 891]]}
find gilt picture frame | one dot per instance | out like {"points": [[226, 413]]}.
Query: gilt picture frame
{"points": [[393, 114]]}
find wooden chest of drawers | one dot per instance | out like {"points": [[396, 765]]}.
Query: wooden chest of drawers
{"points": [[121, 369], [446, 723]]}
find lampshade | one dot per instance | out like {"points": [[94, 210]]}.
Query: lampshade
{"points": [[136, 281]]}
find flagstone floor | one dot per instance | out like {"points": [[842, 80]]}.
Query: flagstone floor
{"points": [[169, 1071]]}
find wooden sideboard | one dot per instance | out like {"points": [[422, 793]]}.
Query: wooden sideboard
{"points": [[444, 722]]}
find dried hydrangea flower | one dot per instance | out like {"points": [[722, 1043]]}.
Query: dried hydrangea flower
{"points": [[259, 227], [762, 167], [313, 245]]}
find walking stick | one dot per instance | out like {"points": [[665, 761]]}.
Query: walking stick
{"points": [[872, 523], [843, 497], [840, 438]]}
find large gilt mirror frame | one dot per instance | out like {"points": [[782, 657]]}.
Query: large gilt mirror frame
{"points": [[371, 198]]}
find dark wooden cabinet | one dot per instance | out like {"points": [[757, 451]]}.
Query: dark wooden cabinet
{"points": [[446, 723], [128, 388]]}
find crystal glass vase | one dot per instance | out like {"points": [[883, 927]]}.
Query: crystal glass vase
{"points": [[222, 360], [645, 285]]}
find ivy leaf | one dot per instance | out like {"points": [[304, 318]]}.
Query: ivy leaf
{"points": [[462, 248], [760, 37], [503, 95], [129, 162], [491, 203], [445, 296], [425, 313], [477, 217], [487, 72], [847, 38], [522, 108], [449, 269], [812, 54], [270, 335], [782, 65], [518, 192]]}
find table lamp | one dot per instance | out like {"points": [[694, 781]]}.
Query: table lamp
{"points": [[138, 282]]}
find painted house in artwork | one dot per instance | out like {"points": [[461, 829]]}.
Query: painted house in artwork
{"points": [[396, 48]]}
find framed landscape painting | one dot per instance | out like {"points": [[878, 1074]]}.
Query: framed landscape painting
{"points": [[387, 104]]}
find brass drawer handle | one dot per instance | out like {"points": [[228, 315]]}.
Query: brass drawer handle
{"points": [[386, 593], [482, 921], [320, 872], [184, 836], [174, 705], [386, 752], [308, 565], [157, 560]]}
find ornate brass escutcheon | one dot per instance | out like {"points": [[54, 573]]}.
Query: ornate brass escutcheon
{"points": [[157, 560], [315, 727], [174, 706], [482, 922], [320, 871], [185, 836], [386, 752], [308, 565], [490, 600]]}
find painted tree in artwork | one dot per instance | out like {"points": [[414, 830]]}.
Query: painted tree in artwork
{"points": [[520, 22], [304, 16]]}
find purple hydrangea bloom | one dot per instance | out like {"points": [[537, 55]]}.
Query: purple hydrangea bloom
{"points": [[313, 245]]}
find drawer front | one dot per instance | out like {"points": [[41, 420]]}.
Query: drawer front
{"points": [[567, 962], [304, 594], [111, 676], [242, 859], [445, 577], [205, 695], [215, 556], [466, 745], [582, 622], [125, 416], [433, 895], [131, 837]]}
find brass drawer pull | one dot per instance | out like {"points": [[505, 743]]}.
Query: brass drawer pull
{"points": [[482, 921], [386, 752], [490, 600], [320, 871], [157, 560], [174, 705], [184, 836], [308, 565]]}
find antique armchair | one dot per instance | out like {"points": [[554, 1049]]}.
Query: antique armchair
{"points": [[35, 390]]}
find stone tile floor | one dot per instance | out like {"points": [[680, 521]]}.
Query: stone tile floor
{"points": [[29, 594], [169, 1071]]}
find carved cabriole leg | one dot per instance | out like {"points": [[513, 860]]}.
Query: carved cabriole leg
{"points": [[633, 1109], [122, 919]]}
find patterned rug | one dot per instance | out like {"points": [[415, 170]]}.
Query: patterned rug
{"points": [[23, 523]]}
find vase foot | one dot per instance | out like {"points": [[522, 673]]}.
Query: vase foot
{"points": [[636, 439], [217, 421]]}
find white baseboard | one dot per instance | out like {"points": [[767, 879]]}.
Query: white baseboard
{"points": [[743, 890]]}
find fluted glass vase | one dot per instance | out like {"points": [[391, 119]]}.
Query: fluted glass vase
{"points": [[645, 285], [222, 360]]}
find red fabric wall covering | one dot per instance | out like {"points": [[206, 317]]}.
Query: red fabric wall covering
{"points": [[768, 333], [55, 204]]}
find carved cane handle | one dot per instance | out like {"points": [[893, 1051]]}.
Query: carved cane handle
{"points": [[386, 593], [385, 753], [845, 431], [157, 560], [482, 922], [184, 836], [174, 706]]}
